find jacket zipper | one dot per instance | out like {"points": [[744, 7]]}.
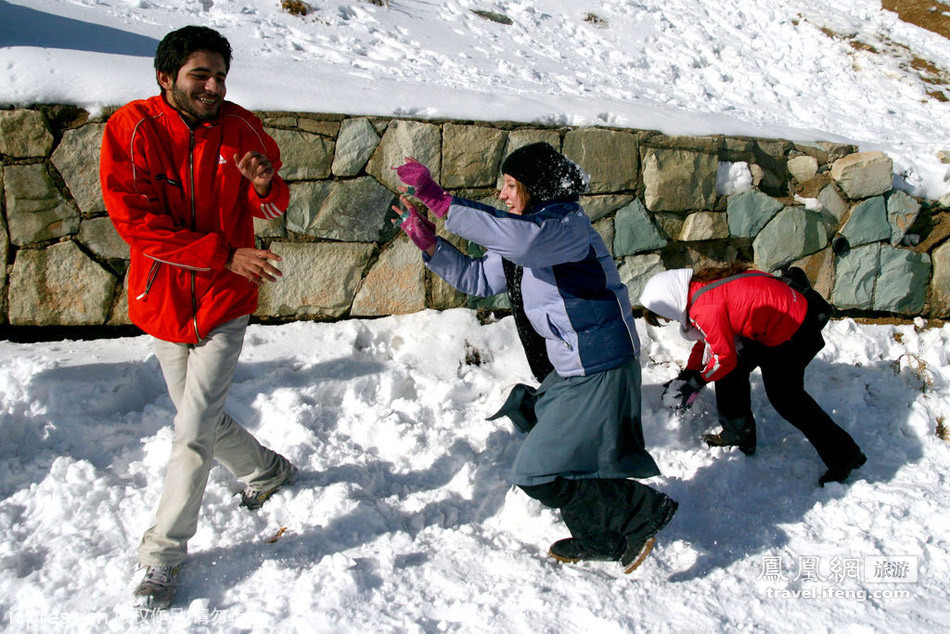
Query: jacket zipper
{"points": [[152, 274], [194, 226]]}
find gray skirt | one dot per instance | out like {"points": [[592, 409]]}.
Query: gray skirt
{"points": [[582, 427]]}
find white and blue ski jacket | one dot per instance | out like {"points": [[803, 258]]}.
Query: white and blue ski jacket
{"points": [[572, 291]]}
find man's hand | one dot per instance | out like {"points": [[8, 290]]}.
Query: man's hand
{"points": [[253, 264], [256, 168]]}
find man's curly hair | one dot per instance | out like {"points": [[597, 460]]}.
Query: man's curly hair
{"points": [[176, 47]]}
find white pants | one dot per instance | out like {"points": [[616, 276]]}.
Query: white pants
{"points": [[198, 377]]}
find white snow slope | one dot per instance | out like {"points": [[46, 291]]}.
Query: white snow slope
{"points": [[838, 70], [404, 519]]}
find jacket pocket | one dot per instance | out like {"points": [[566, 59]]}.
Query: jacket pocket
{"points": [[557, 333]]}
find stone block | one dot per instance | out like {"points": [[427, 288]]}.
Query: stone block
{"points": [[704, 225], [352, 211], [636, 270], [901, 286], [803, 168], [304, 156], [320, 279], [902, 212], [271, 228], [867, 223], [749, 211], [306, 199], [119, 316], [36, 210], [820, 269], [863, 174], [833, 207], [406, 138], [59, 286], [940, 282], [99, 236], [794, 233], [24, 134], [4, 254], [77, 160], [679, 180], [605, 227], [597, 207], [527, 136], [318, 126], [396, 283], [610, 158], [471, 155], [855, 274], [354, 146], [634, 231]]}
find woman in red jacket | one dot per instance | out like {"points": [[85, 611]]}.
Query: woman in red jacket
{"points": [[743, 319]]}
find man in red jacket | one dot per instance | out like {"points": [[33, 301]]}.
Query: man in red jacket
{"points": [[183, 174]]}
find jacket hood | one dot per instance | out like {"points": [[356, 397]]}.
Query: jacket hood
{"points": [[667, 295]]}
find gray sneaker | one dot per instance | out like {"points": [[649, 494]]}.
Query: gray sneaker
{"points": [[253, 499], [157, 588]]}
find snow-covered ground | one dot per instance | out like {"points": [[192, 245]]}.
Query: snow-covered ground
{"points": [[837, 70], [404, 520]]}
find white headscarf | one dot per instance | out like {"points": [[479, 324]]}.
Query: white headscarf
{"points": [[667, 295]]}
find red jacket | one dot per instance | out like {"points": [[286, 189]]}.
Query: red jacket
{"points": [[176, 196], [761, 307]]}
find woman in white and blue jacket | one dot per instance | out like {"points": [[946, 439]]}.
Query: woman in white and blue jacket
{"points": [[574, 319]]}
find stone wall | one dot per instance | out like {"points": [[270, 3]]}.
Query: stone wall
{"points": [[659, 201]]}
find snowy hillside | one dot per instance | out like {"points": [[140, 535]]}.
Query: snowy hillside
{"points": [[840, 70], [404, 520]]}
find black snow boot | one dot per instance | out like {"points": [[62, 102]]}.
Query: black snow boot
{"points": [[609, 518], [841, 472], [638, 546], [736, 432]]}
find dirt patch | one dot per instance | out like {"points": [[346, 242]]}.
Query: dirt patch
{"points": [[933, 15]]}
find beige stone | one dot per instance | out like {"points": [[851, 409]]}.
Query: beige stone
{"points": [[36, 211], [99, 236], [803, 168], [611, 158], [320, 279], [704, 225], [679, 180], [471, 155], [940, 282], [396, 283], [863, 174], [77, 160], [423, 141], [59, 286], [304, 156], [24, 134]]}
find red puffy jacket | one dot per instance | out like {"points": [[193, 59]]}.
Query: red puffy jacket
{"points": [[175, 195], [759, 307]]}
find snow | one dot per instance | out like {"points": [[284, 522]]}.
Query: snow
{"points": [[792, 69], [404, 519]]}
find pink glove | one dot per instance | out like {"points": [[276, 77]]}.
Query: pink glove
{"points": [[420, 230], [417, 176]]}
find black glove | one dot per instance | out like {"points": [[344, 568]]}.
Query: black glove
{"points": [[681, 392]]}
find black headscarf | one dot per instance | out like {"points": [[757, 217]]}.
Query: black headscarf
{"points": [[547, 174]]}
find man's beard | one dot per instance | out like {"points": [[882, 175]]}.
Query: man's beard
{"points": [[184, 102]]}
